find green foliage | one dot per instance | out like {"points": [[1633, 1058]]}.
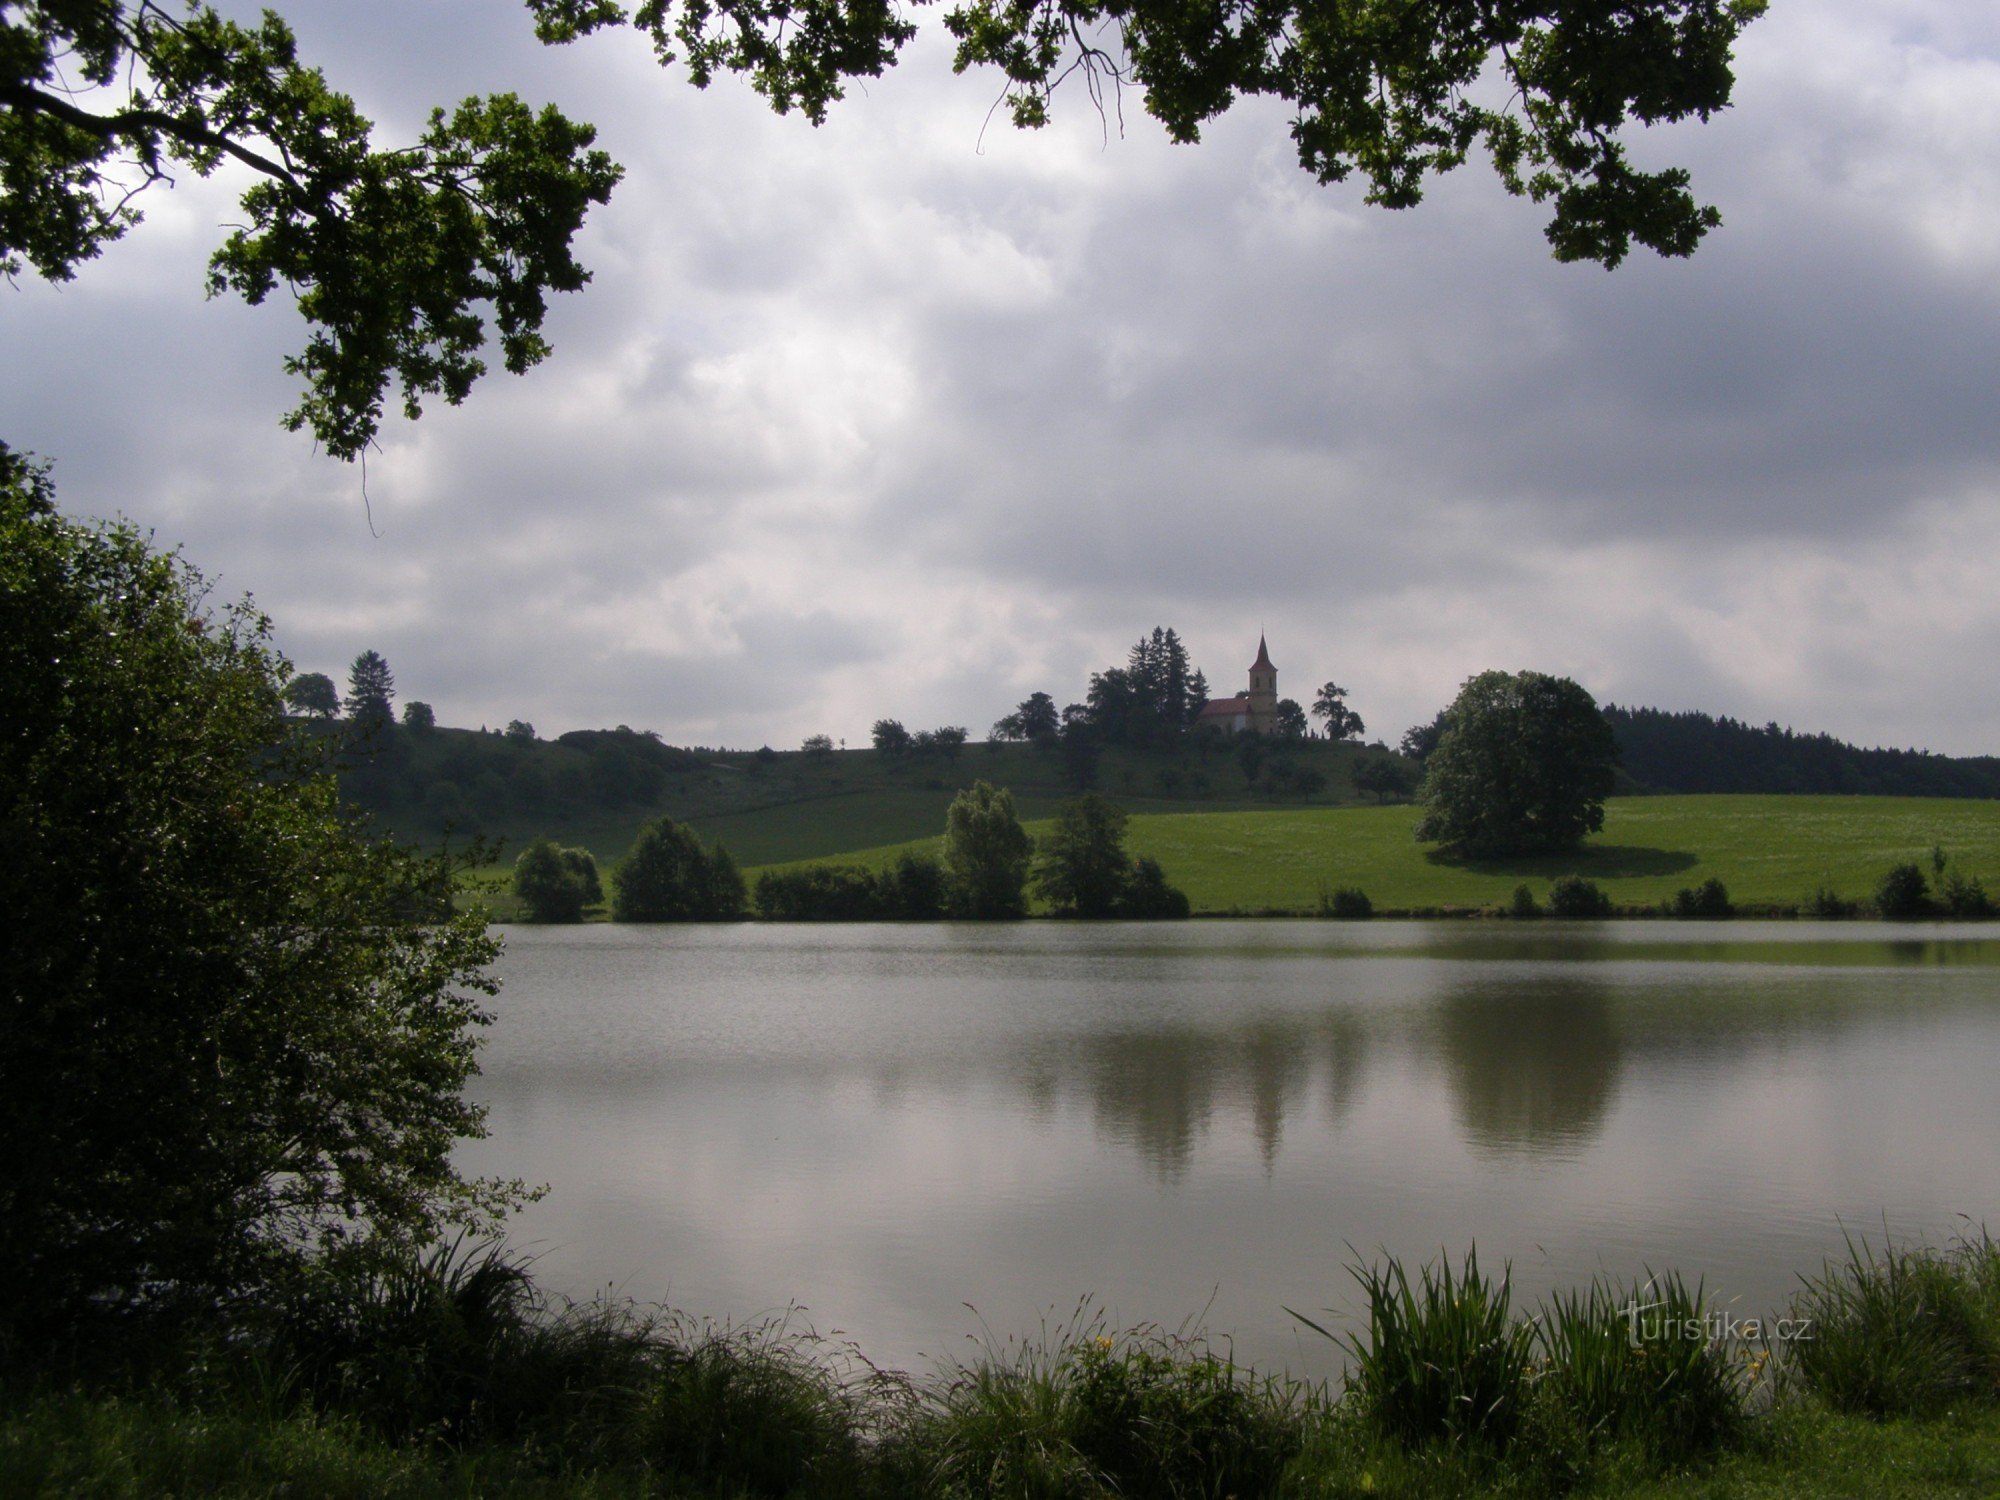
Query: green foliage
{"points": [[556, 884], [520, 732], [1904, 892], [986, 853], [1906, 1332], [819, 745], [1521, 906], [419, 717], [236, 1031], [1523, 767], [821, 893], [1443, 1360], [669, 877], [1292, 721], [890, 737], [397, 259], [1707, 901], [1148, 897], [1089, 1412], [915, 888], [1638, 1364], [313, 693], [1347, 903], [1080, 865], [1572, 896], [1383, 777], [1826, 903], [1393, 94]]}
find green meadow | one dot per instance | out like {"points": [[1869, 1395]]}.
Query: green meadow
{"points": [[1771, 851]]}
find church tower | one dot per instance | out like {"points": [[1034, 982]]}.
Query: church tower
{"points": [[1263, 694]]}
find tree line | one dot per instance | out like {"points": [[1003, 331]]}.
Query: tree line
{"points": [[988, 868]]}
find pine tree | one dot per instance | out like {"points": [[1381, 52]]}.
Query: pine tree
{"points": [[371, 687]]}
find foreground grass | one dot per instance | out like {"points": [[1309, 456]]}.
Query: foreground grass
{"points": [[452, 1375], [1770, 851]]}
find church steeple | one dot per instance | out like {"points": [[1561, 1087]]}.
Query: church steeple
{"points": [[1263, 694]]}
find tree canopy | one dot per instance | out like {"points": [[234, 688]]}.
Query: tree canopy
{"points": [[986, 853], [1397, 93], [1523, 767], [235, 1030], [399, 259], [402, 260]]}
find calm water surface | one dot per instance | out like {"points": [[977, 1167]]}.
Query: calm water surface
{"points": [[885, 1124]]}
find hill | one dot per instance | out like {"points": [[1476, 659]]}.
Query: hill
{"points": [[595, 789], [1770, 851]]}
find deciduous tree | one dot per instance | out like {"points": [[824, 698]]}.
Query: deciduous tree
{"points": [[1523, 767], [1330, 708], [235, 1030], [986, 853], [313, 693], [401, 260], [1397, 93], [1080, 866]]}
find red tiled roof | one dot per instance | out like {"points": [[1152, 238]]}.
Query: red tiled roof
{"points": [[1220, 706]]}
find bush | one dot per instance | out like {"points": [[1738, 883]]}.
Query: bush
{"points": [[820, 893], [1348, 903], [669, 877], [1964, 896], [1825, 902], [1573, 896], [1522, 907], [234, 1027], [915, 889], [1147, 895], [1903, 893], [1709, 901]]}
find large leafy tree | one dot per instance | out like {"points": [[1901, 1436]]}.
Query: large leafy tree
{"points": [[400, 259], [1392, 91], [986, 853], [1523, 767], [233, 1030]]}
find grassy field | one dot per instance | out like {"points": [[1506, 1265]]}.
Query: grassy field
{"points": [[1767, 850]]}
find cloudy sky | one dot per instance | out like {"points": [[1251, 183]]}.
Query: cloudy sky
{"points": [[912, 414]]}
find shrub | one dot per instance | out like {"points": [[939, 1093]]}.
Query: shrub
{"points": [[1903, 892], [820, 893], [915, 889], [1573, 896], [1964, 896], [1147, 895], [1522, 907], [1348, 903], [1825, 902], [1709, 900]]}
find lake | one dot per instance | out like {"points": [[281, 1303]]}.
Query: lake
{"points": [[927, 1134]]}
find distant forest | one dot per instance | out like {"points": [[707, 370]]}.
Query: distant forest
{"points": [[1696, 752]]}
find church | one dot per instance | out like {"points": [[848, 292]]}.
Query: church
{"points": [[1256, 709]]}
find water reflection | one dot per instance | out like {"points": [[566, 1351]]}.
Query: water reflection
{"points": [[1533, 1067], [888, 1123]]}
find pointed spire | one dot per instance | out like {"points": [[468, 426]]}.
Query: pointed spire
{"points": [[1263, 661]]}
